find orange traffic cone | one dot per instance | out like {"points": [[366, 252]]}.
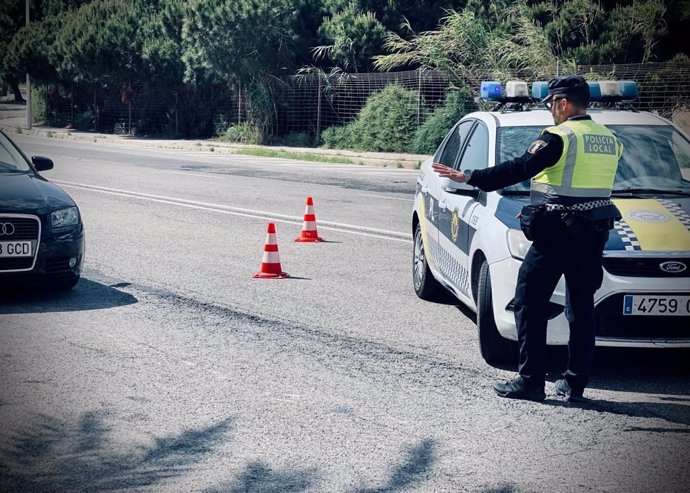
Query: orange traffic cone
{"points": [[270, 265], [309, 233]]}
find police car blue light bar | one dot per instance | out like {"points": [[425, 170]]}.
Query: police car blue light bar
{"points": [[540, 89], [603, 91], [594, 90], [609, 89], [628, 90], [517, 89], [491, 90]]}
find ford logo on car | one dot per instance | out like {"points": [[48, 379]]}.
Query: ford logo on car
{"points": [[672, 267]]}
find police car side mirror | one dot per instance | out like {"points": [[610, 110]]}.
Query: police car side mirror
{"points": [[451, 186]]}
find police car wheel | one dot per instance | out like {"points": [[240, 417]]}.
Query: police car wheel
{"points": [[494, 348], [426, 287]]}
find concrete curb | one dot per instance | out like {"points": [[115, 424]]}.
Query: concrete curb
{"points": [[12, 120]]}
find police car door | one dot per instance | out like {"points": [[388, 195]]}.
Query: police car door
{"points": [[457, 206], [447, 154]]}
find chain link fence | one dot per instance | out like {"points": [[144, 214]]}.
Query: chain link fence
{"points": [[306, 104]]}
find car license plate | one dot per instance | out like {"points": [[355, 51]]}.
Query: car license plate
{"points": [[15, 249], [650, 304]]}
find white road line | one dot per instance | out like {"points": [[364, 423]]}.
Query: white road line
{"points": [[410, 199], [238, 211]]}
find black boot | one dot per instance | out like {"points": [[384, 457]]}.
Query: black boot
{"points": [[517, 388], [571, 394]]}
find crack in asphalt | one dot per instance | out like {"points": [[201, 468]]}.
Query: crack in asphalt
{"points": [[340, 352]]}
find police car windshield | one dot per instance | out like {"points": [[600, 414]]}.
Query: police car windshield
{"points": [[655, 158], [11, 161]]}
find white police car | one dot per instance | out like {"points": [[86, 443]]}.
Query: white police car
{"points": [[470, 243]]}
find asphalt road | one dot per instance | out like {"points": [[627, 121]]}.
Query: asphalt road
{"points": [[169, 368]]}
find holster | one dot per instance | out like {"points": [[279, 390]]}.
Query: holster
{"points": [[530, 216]]}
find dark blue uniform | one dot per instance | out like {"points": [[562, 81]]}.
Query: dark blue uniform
{"points": [[565, 243]]}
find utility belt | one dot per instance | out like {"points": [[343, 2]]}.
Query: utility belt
{"points": [[540, 221]]}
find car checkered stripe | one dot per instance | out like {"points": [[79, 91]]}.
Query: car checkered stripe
{"points": [[450, 268], [677, 211], [627, 236]]}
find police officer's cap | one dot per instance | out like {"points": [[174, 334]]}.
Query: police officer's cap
{"points": [[569, 85]]}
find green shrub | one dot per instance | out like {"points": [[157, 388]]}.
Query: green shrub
{"points": [[338, 137], [386, 123], [242, 133], [84, 120], [39, 110], [428, 137]]}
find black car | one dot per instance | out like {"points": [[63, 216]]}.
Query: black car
{"points": [[41, 231]]}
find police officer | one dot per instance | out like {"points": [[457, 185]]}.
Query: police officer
{"points": [[572, 168]]}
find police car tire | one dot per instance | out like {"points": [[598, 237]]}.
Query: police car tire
{"points": [[429, 288], [494, 348]]}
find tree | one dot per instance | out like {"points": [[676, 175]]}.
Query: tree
{"points": [[241, 40], [12, 19], [31, 50], [473, 48], [354, 38], [162, 43], [637, 29], [250, 42], [100, 43], [585, 31]]}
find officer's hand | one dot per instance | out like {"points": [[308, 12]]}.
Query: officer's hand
{"points": [[446, 172]]}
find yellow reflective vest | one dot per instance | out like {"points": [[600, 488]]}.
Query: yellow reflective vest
{"points": [[588, 164]]}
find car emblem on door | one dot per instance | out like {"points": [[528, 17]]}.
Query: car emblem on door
{"points": [[6, 229], [454, 225], [672, 267]]}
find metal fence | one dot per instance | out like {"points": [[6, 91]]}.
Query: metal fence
{"points": [[308, 104]]}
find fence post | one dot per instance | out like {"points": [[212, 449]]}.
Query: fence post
{"points": [[71, 105], [318, 108], [176, 115], [419, 97], [239, 103]]}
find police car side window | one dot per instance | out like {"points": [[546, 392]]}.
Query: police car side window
{"points": [[453, 144], [476, 155]]}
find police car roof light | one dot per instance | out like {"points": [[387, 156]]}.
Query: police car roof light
{"points": [[628, 90], [594, 90], [540, 89], [517, 89], [609, 89], [491, 90]]}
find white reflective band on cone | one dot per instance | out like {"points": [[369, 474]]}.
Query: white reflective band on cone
{"points": [[271, 258]]}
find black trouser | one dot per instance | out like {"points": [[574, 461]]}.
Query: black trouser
{"points": [[571, 247]]}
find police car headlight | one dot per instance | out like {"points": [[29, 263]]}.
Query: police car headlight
{"points": [[518, 244], [64, 218]]}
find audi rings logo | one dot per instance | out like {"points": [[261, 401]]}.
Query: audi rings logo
{"points": [[6, 229]]}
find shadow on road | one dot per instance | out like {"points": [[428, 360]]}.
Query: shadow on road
{"points": [[257, 477], [54, 456], [414, 470], [87, 295], [670, 412]]}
